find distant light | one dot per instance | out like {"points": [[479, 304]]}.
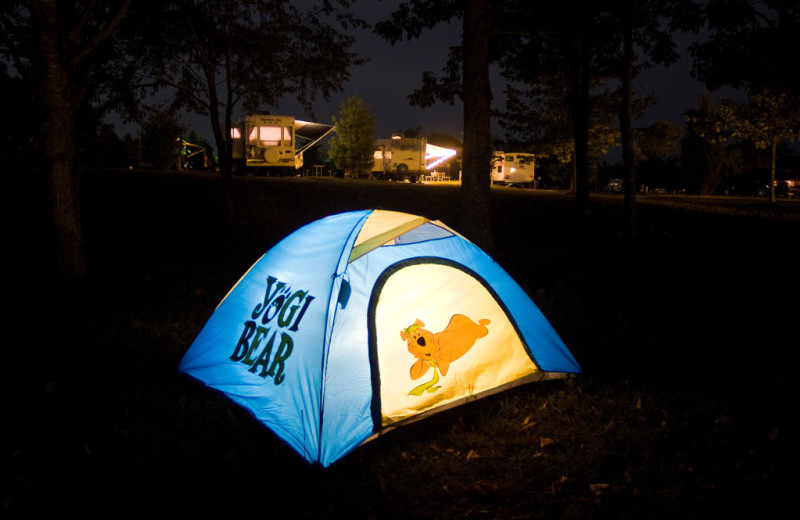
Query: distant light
{"points": [[436, 163], [438, 155]]}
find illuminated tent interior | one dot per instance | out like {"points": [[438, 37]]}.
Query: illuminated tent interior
{"points": [[364, 321]]}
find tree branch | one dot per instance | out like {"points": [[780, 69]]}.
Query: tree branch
{"points": [[103, 32]]}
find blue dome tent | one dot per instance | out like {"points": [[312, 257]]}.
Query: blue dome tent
{"points": [[363, 321]]}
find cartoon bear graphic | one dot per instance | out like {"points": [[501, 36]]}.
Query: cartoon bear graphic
{"points": [[439, 350]]}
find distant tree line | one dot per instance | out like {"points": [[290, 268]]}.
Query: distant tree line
{"points": [[68, 64], [570, 68], [722, 148]]}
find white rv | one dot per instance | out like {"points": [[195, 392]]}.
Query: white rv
{"points": [[400, 158], [262, 140], [405, 158], [514, 169]]}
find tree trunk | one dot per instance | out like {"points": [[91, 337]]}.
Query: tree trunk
{"points": [[221, 139], [579, 93], [58, 140], [772, 171], [626, 130], [476, 216]]}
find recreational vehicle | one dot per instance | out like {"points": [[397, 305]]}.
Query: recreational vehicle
{"points": [[275, 143], [405, 158], [514, 169]]}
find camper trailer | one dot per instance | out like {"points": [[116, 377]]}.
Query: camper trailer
{"points": [[404, 158], [514, 169], [272, 142], [400, 158]]}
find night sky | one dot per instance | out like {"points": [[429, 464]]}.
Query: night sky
{"points": [[393, 71]]}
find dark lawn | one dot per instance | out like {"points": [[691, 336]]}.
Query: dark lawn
{"points": [[686, 339]]}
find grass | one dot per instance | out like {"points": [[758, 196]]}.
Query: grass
{"points": [[684, 409]]}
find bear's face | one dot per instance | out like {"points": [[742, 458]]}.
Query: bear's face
{"points": [[421, 342]]}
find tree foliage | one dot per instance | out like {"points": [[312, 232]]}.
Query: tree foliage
{"points": [[659, 141], [159, 140], [769, 117], [412, 132], [657, 150], [575, 61], [750, 43], [703, 147], [65, 50], [221, 55], [208, 57], [352, 147], [537, 119], [444, 139], [466, 77], [17, 127], [575, 53]]}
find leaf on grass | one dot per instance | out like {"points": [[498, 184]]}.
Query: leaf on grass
{"points": [[472, 454], [598, 488], [639, 404], [485, 487], [554, 485], [545, 441], [528, 423]]}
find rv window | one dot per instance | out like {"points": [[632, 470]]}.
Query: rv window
{"points": [[510, 158], [269, 135], [235, 133], [523, 160]]}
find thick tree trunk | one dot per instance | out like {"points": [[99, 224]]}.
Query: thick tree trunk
{"points": [[625, 125], [58, 135], [772, 171], [63, 186], [476, 215], [579, 92], [580, 121]]}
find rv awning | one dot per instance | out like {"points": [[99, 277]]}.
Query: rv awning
{"points": [[312, 133]]}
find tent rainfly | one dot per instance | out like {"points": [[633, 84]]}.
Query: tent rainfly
{"points": [[363, 321]]}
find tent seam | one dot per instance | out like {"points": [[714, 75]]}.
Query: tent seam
{"points": [[330, 318]]}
